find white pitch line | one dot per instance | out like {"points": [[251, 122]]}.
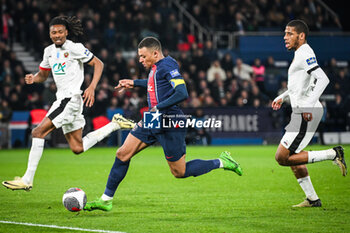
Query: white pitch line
{"points": [[58, 227]]}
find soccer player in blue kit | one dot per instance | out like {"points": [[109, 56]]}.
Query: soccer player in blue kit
{"points": [[165, 89]]}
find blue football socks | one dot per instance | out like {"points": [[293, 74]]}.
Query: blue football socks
{"points": [[199, 167], [116, 175]]}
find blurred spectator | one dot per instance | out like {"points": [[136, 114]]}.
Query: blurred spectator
{"points": [[244, 97], [34, 102], [342, 83], [16, 103], [185, 61], [242, 71], [111, 37], [256, 103], [332, 69], [132, 68], [114, 104], [49, 95], [209, 51], [227, 62], [239, 23], [259, 74], [215, 71], [200, 61], [257, 95], [5, 111], [218, 89], [198, 136], [100, 106], [194, 101], [208, 101], [118, 65], [135, 100], [337, 114]]}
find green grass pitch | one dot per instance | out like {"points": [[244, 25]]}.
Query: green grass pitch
{"points": [[150, 199]]}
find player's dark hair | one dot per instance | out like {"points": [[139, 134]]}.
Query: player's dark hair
{"points": [[300, 26], [72, 24], [150, 42]]}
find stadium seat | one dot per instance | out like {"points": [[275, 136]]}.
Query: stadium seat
{"points": [[18, 127], [99, 122], [37, 115], [111, 112]]}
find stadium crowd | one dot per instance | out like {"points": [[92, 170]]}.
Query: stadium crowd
{"points": [[257, 15], [112, 28]]}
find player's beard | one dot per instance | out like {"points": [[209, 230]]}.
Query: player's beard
{"points": [[296, 45]]}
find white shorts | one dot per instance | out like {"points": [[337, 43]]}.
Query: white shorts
{"points": [[300, 132], [67, 113]]}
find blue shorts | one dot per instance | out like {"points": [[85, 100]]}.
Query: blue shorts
{"points": [[172, 141]]}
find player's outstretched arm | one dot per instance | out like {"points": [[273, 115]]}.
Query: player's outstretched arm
{"points": [[89, 93], [125, 84], [39, 77], [277, 102]]}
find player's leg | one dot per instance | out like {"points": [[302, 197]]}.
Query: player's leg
{"points": [[38, 134], [301, 174], [174, 146], [197, 167], [75, 141], [305, 157], [289, 151], [72, 121], [118, 122], [304, 180], [298, 135], [130, 147]]}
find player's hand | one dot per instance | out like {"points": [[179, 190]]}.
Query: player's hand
{"points": [[89, 96], [29, 79], [124, 84], [276, 104], [307, 116]]}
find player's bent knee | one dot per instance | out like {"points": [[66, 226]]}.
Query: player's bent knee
{"points": [[178, 173], [77, 149], [281, 159], [36, 133], [122, 154]]}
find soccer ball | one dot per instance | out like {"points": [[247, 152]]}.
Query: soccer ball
{"points": [[74, 199]]}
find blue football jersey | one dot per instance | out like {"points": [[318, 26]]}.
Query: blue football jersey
{"points": [[162, 81]]}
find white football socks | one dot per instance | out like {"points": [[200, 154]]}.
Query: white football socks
{"points": [[221, 164], [308, 188], [35, 154], [96, 136], [317, 156], [106, 198]]}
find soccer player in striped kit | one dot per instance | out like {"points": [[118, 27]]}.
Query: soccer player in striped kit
{"points": [[65, 59], [306, 83]]}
